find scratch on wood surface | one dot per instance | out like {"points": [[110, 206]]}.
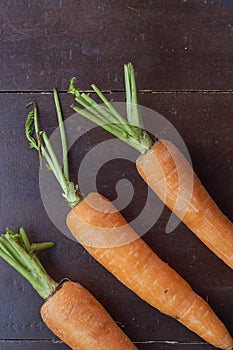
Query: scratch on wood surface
{"points": [[30, 341], [132, 8], [210, 92], [169, 342]]}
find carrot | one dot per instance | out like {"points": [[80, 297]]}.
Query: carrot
{"points": [[105, 234], [163, 167], [142, 271], [202, 216], [69, 310]]}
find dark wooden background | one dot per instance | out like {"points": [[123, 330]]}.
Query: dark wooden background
{"points": [[183, 54]]}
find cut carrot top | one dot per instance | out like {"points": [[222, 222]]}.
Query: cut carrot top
{"points": [[17, 251], [39, 140], [110, 119]]}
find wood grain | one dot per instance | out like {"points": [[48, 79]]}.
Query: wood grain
{"points": [[175, 45], [182, 51]]}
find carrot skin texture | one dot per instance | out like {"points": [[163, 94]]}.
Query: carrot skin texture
{"points": [[160, 167], [78, 319], [142, 271]]}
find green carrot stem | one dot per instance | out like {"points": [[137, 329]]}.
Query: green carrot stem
{"points": [[8, 249], [26, 262], [134, 89], [57, 166], [92, 106], [36, 121], [113, 129], [134, 116], [128, 94], [8, 258], [40, 246], [99, 111], [50, 164], [82, 100], [120, 119], [37, 132], [110, 119], [17, 247], [70, 191], [10, 231], [63, 135], [25, 239], [107, 126], [119, 124], [4, 250], [35, 247]]}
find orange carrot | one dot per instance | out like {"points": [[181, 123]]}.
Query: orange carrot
{"points": [[69, 310], [101, 229], [165, 170], [202, 216], [77, 318], [142, 271]]}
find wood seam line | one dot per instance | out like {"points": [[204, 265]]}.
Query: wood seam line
{"points": [[135, 342], [122, 91]]}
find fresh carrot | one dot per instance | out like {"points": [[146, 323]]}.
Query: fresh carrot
{"points": [[202, 216], [163, 167], [69, 310], [141, 270], [98, 226]]}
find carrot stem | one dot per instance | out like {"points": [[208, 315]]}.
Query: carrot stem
{"points": [[99, 121], [57, 166], [70, 191], [25, 239], [117, 115], [35, 247], [103, 113], [110, 119], [15, 248], [133, 114], [63, 134]]}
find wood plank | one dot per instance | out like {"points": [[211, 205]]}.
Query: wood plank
{"points": [[29, 344], [208, 118], [175, 45]]}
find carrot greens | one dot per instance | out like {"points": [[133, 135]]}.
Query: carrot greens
{"points": [[17, 251], [133, 113], [39, 140], [106, 115]]}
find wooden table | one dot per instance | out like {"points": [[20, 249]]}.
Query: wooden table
{"points": [[183, 54]]}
